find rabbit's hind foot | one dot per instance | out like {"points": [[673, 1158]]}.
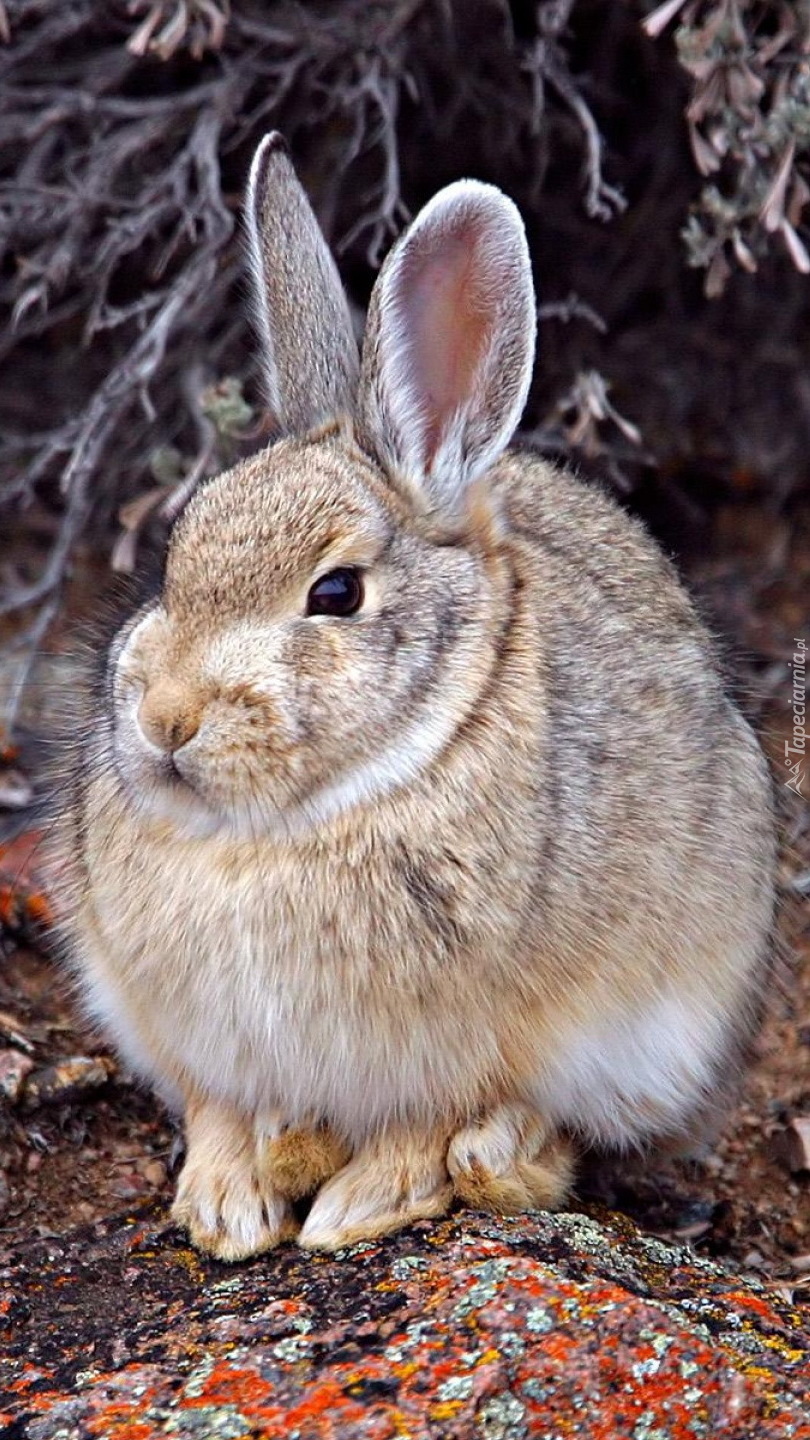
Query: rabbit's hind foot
{"points": [[398, 1177], [298, 1161], [510, 1161]]}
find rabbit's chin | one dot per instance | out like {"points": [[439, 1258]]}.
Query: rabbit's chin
{"points": [[176, 804], [160, 793], [169, 799]]}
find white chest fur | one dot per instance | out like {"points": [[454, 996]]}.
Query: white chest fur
{"points": [[278, 987], [315, 985]]}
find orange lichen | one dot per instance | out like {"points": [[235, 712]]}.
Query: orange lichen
{"points": [[483, 1338], [23, 904]]}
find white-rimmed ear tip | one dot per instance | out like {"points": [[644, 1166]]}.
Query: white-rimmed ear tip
{"points": [[475, 189], [273, 140], [271, 146], [475, 195]]}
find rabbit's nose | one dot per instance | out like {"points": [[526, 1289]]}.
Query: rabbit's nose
{"points": [[168, 716]]}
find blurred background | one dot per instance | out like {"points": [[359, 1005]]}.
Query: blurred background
{"points": [[660, 156]]}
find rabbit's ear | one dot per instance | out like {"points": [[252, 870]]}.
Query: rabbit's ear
{"points": [[449, 347], [310, 357]]}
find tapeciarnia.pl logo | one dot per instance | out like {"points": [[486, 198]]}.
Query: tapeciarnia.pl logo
{"points": [[796, 747]]}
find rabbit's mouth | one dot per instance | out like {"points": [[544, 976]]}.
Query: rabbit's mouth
{"points": [[159, 783], [171, 775], [157, 789], [200, 789]]}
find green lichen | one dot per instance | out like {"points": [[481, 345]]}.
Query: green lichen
{"points": [[487, 1276], [208, 1422], [539, 1320], [642, 1369], [407, 1265], [512, 1345], [199, 1377], [291, 1349], [231, 1286], [535, 1390], [457, 1387], [503, 1417], [645, 1428]]}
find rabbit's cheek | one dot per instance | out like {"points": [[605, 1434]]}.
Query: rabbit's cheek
{"points": [[137, 648], [134, 756], [128, 692]]}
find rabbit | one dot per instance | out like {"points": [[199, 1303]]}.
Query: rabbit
{"points": [[411, 842]]}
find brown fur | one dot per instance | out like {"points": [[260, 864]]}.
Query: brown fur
{"points": [[487, 864], [299, 1162]]}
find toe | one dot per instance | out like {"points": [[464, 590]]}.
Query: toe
{"points": [[230, 1218], [510, 1162], [377, 1193]]}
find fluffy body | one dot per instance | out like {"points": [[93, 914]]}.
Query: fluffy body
{"points": [[544, 910], [486, 865]]}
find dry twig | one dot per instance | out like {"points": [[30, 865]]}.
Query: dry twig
{"points": [[749, 127]]}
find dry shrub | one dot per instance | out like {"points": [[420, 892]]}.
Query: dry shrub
{"points": [[126, 131]]}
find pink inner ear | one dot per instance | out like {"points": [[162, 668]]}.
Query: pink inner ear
{"points": [[447, 319]]}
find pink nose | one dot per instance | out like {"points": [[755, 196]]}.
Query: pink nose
{"points": [[169, 716]]}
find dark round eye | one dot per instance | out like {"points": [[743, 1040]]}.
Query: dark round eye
{"points": [[338, 593]]}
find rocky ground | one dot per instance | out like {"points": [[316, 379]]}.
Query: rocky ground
{"points": [[538, 1326]]}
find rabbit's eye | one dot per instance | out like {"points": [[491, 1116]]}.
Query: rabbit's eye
{"points": [[338, 593]]}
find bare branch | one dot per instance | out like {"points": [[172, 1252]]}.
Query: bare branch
{"points": [[122, 263], [544, 63]]}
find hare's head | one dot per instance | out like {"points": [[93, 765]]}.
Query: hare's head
{"points": [[330, 607]]}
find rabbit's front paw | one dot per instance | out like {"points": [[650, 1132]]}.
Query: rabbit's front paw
{"points": [[509, 1162], [396, 1179], [224, 1198]]}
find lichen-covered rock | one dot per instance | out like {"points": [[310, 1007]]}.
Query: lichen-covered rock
{"points": [[538, 1326]]}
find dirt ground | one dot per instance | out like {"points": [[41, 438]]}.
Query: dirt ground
{"points": [[81, 1142]]}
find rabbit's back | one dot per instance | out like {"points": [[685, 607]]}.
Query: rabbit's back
{"points": [[655, 880], [645, 744]]}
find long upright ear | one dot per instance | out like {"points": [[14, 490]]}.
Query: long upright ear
{"points": [[449, 347], [311, 362]]}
